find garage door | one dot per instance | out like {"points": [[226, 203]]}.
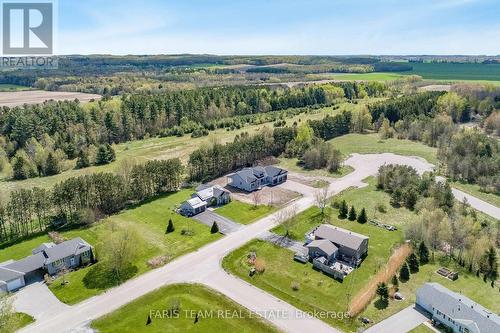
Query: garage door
{"points": [[15, 284]]}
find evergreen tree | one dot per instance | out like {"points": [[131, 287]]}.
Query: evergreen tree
{"points": [[413, 263], [423, 253], [352, 214], [19, 168], [383, 292], [83, 160], [343, 210], [215, 228], [101, 157], [111, 156], [170, 227], [395, 282], [404, 272], [52, 165], [362, 218]]}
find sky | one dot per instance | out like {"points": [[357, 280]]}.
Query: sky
{"points": [[281, 27]]}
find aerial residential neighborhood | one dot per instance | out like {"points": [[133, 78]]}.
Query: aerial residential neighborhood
{"points": [[250, 166]]}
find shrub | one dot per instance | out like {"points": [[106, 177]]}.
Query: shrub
{"points": [[260, 265], [295, 286], [215, 228], [381, 207], [170, 227]]}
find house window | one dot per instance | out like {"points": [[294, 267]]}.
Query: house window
{"points": [[72, 261]]}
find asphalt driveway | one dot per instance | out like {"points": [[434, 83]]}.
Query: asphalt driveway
{"points": [[401, 322], [226, 226], [38, 301]]}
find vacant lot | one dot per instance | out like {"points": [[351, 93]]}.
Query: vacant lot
{"points": [[17, 98], [150, 220], [189, 300], [244, 213]]}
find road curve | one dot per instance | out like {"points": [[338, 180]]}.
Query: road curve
{"points": [[203, 266]]}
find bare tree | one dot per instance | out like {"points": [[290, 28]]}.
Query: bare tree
{"points": [[287, 218], [7, 318], [321, 198], [256, 198]]}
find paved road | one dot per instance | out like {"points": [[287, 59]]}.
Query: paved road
{"points": [[226, 226], [203, 266], [402, 322], [478, 204]]}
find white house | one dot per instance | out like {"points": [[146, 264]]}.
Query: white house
{"points": [[214, 195], [193, 206]]}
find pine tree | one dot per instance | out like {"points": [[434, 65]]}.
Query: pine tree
{"points": [[111, 156], [52, 165], [83, 160], [423, 253], [101, 157], [383, 292], [215, 228], [170, 227], [404, 272], [412, 263], [352, 214], [19, 168], [362, 218], [395, 281], [343, 210]]}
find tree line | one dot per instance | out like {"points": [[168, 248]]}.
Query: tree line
{"points": [[83, 199]]}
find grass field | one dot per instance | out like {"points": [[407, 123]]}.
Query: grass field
{"points": [[467, 284], [21, 320], [12, 87], [318, 291], [456, 72], [244, 213], [371, 143], [421, 329], [150, 219], [190, 299]]}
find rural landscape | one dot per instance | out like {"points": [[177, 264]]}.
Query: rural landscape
{"points": [[201, 191]]}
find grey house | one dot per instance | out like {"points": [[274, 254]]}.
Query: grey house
{"points": [[46, 258], [335, 243], [252, 179], [459, 313]]}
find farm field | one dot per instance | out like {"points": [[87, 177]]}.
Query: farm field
{"points": [[316, 290], [189, 297], [244, 213], [18, 98], [149, 220], [12, 87], [456, 71]]}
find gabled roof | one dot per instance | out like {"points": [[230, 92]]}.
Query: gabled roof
{"points": [[7, 275], [42, 247], [210, 192], [324, 245], [273, 171], [340, 236], [196, 202], [459, 307], [28, 264], [65, 249]]}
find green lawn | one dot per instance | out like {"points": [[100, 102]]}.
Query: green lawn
{"points": [[21, 320], [244, 213], [467, 284], [421, 329], [456, 71], [318, 291], [150, 220], [473, 189], [371, 143], [190, 299]]}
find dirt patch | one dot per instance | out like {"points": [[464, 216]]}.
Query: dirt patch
{"points": [[436, 87], [316, 182], [365, 296], [268, 195], [18, 98]]}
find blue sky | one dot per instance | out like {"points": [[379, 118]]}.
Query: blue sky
{"points": [[279, 27]]}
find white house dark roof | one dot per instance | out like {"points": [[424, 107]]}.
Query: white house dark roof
{"points": [[28, 264], [251, 174], [196, 202], [65, 249], [211, 192], [7, 275], [324, 245], [340, 236], [459, 307]]}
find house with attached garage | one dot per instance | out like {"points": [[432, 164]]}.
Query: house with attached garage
{"points": [[335, 251], [455, 311], [252, 179], [204, 197], [47, 258]]}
